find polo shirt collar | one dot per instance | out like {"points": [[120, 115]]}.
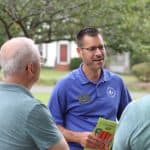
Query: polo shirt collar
{"points": [[14, 87], [105, 76], [83, 79]]}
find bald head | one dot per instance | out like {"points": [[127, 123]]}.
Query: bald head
{"points": [[16, 53]]}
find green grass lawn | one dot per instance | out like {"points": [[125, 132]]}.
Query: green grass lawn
{"points": [[134, 85], [50, 76], [42, 96], [129, 79]]}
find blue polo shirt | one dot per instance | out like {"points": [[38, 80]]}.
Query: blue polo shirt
{"points": [[76, 102]]}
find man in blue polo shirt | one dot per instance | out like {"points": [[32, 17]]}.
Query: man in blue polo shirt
{"points": [[87, 93]]}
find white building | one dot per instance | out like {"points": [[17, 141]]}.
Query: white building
{"points": [[58, 54], [120, 62]]}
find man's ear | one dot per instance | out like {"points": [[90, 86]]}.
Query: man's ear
{"points": [[79, 50], [29, 69]]}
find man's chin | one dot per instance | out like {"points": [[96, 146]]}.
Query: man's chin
{"points": [[99, 63], [97, 67]]}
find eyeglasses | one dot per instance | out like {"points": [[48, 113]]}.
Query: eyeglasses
{"points": [[94, 48]]}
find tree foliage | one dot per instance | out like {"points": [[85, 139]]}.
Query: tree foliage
{"points": [[41, 20], [144, 74], [124, 24]]}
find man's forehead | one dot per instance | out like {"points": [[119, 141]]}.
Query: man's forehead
{"points": [[98, 38]]}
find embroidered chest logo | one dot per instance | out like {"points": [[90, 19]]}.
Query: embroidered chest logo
{"points": [[111, 92], [84, 98]]}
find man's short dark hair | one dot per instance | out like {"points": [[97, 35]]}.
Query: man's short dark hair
{"points": [[90, 31]]}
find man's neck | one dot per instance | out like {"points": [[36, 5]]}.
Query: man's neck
{"points": [[16, 81], [92, 75]]}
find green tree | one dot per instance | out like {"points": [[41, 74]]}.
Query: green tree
{"points": [[124, 24], [42, 20]]}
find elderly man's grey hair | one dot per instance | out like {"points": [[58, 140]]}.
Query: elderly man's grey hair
{"points": [[16, 53]]}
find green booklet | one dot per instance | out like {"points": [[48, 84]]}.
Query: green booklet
{"points": [[105, 129]]}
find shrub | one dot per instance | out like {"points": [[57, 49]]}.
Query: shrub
{"points": [[142, 71], [140, 56], [75, 62]]}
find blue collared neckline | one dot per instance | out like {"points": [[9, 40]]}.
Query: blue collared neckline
{"points": [[105, 76]]}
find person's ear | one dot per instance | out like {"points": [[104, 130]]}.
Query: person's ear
{"points": [[29, 69], [79, 51]]}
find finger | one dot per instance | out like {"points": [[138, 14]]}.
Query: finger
{"points": [[94, 142], [109, 139]]}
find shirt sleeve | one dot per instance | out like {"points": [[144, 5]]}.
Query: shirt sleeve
{"points": [[57, 103], [41, 128], [125, 99], [125, 129]]}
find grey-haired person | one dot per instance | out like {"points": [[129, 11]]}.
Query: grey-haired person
{"points": [[25, 123]]}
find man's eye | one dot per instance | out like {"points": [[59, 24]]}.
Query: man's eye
{"points": [[101, 47], [92, 48]]}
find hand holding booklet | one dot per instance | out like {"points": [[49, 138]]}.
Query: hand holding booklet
{"points": [[105, 130]]}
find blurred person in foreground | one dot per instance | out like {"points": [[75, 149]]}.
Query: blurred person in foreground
{"points": [[133, 132], [87, 93], [25, 123]]}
